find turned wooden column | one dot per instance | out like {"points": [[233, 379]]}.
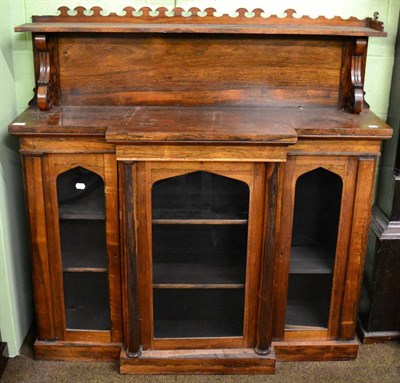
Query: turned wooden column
{"points": [[133, 345], [265, 314]]}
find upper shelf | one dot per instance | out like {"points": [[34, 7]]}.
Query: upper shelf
{"points": [[197, 124], [193, 124], [178, 20]]}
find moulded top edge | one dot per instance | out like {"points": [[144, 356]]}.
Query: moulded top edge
{"points": [[199, 28], [252, 124]]}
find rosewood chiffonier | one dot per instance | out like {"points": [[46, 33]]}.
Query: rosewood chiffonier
{"points": [[198, 187]]}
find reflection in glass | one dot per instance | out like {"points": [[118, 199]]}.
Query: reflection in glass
{"points": [[199, 255], [81, 208], [315, 228]]}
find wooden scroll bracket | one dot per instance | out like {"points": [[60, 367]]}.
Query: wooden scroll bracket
{"points": [[357, 76], [352, 78], [357, 72], [352, 95], [46, 89]]}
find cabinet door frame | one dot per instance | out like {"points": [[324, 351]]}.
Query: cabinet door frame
{"points": [[346, 168], [146, 174], [105, 166]]}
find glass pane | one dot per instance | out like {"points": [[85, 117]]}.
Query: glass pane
{"points": [[199, 253], [80, 194], [198, 313], [81, 203], [83, 243], [199, 266], [308, 300], [200, 195], [86, 301], [315, 227]]}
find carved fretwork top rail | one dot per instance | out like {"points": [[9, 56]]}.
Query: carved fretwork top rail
{"points": [[194, 20]]}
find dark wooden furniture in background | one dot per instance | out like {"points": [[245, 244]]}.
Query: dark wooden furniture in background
{"points": [[3, 358], [379, 318], [198, 187]]}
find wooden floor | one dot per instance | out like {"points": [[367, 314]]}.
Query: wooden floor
{"points": [[379, 363]]}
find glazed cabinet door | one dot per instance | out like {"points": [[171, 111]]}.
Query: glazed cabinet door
{"points": [[199, 243], [312, 255], [80, 194]]}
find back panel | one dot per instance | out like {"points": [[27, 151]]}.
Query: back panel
{"points": [[173, 69]]}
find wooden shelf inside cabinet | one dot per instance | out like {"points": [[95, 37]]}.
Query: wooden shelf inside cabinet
{"points": [[197, 275], [312, 260], [201, 214], [84, 269], [187, 286], [214, 221]]}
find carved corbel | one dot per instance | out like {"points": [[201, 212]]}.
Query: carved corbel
{"points": [[352, 93], [46, 91], [357, 75]]}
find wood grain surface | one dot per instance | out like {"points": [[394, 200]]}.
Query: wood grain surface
{"points": [[198, 70]]}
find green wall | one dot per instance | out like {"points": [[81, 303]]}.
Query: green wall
{"points": [[15, 280], [386, 183], [16, 90]]}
